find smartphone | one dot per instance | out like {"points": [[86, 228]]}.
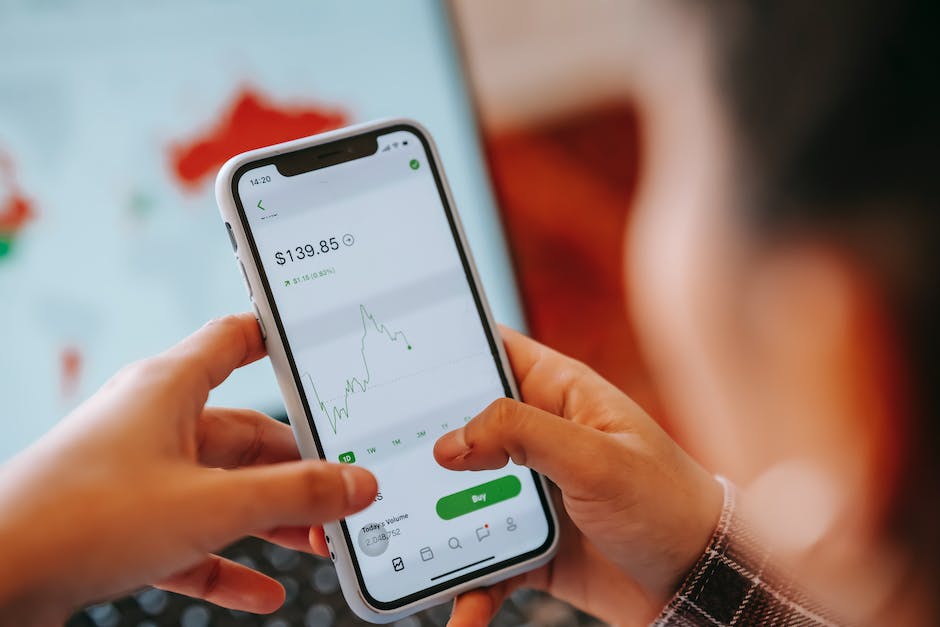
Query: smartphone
{"points": [[382, 341]]}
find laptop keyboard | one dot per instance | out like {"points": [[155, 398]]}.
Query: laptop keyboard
{"points": [[313, 600]]}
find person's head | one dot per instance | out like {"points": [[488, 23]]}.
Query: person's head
{"points": [[782, 264]]}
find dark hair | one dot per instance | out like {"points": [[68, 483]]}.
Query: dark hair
{"points": [[836, 105]]}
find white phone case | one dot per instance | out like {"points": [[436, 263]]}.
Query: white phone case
{"points": [[292, 396]]}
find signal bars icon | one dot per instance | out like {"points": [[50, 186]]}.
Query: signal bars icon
{"points": [[394, 145]]}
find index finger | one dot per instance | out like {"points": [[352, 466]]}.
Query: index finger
{"points": [[554, 382], [218, 348]]}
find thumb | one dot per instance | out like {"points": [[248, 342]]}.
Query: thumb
{"points": [[302, 493], [566, 452]]}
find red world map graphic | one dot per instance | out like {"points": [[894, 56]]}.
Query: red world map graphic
{"points": [[250, 121]]}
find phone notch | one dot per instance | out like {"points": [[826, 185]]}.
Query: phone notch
{"points": [[326, 155]]}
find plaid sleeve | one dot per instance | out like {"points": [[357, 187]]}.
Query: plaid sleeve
{"points": [[731, 584]]}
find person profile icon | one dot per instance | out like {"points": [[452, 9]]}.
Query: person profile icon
{"points": [[510, 524]]}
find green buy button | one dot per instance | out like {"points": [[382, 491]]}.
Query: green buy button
{"points": [[478, 497]]}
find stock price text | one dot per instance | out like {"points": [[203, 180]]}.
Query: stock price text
{"points": [[307, 251]]}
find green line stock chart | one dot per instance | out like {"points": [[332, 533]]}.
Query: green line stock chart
{"points": [[336, 408]]}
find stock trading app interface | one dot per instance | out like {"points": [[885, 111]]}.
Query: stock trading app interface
{"points": [[391, 351]]}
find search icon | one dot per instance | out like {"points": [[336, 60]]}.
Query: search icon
{"points": [[454, 543]]}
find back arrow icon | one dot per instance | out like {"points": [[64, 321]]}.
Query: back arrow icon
{"points": [[260, 207]]}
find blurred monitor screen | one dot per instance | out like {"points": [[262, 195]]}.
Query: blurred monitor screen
{"points": [[114, 119]]}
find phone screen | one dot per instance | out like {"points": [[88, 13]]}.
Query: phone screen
{"points": [[388, 340]]}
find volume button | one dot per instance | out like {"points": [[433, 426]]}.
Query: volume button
{"points": [[245, 279], [231, 236]]}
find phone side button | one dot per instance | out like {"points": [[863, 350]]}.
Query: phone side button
{"points": [[264, 333], [231, 236]]}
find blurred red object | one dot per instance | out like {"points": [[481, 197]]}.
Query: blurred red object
{"points": [[252, 120], [565, 189]]}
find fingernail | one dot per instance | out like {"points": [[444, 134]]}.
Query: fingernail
{"points": [[360, 486], [452, 445]]}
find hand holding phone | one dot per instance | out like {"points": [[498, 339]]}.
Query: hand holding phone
{"points": [[129, 490], [636, 511], [381, 340]]}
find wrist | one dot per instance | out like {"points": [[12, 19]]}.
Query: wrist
{"points": [[700, 526], [29, 608], [24, 600], [27, 594]]}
